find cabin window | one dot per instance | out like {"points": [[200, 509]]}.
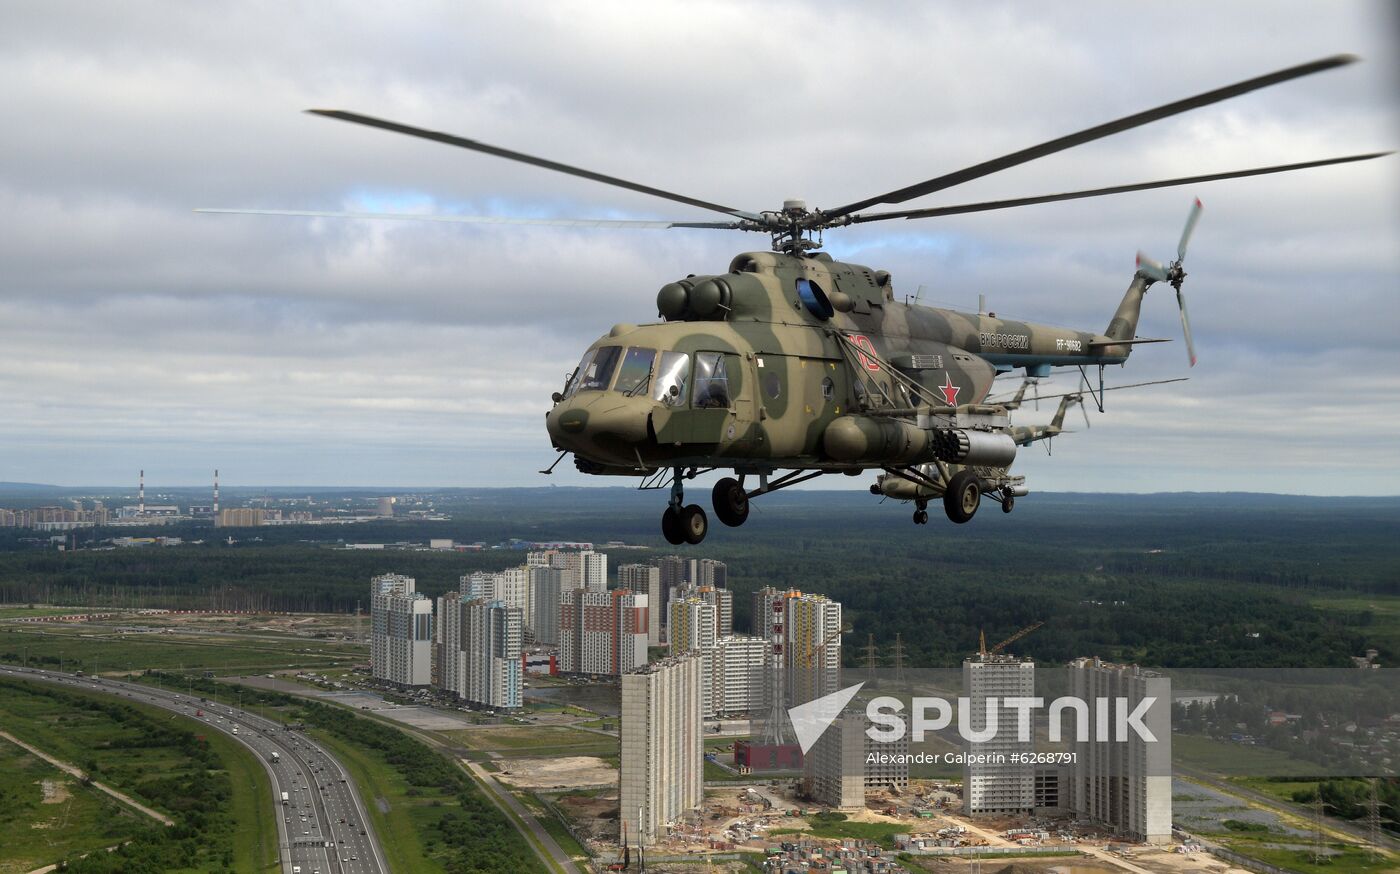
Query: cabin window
{"points": [[596, 373], [711, 381], [672, 376], [635, 371], [828, 388]]}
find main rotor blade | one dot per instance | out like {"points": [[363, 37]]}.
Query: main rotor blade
{"points": [[478, 219], [464, 143], [996, 165], [1121, 387], [959, 209]]}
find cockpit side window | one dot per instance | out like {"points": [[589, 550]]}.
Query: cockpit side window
{"points": [[635, 372], [672, 377], [711, 381], [595, 374]]}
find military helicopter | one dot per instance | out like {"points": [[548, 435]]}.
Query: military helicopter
{"points": [[790, 365]]}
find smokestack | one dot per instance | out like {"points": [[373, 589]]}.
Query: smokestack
{"points": [[141, 496], [216, 491]]}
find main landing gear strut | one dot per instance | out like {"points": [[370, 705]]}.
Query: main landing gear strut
{"points": [[683, 523]]}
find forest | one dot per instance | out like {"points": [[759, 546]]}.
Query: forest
{"points": [[1180, 580]]}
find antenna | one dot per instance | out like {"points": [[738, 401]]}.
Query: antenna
{"points": [[981, 304], [141, 495]]}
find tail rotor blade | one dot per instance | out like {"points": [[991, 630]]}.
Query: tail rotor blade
{"points": [[1189, 229], [1151, 269], [1085, 411], [1186, 327]]}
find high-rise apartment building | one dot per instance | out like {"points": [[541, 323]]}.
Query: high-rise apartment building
{"points": [[803, 632], [546, 587], [735, 676], [1123, 783], [693, 625], [998, 780], [602, 632], [401, 631], [478, 650], [585, 569], [647, 579], [845, 762], [708, 572], [660, 773]]}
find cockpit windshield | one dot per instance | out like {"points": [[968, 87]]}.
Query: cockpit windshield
{"points": [[635, 371], [595, 370]]}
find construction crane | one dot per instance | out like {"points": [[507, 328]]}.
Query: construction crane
{"points": [[982, 640]]}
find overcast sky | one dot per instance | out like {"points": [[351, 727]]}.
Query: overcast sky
{"points": [[137, 334]]}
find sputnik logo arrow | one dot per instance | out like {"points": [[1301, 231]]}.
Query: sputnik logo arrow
{"points": [[810, 720]]}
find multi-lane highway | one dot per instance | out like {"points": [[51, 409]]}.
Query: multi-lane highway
{"points": [[322, 826]]}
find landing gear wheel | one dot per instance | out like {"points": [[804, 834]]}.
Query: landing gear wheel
{"points": [[731, 502], [671, 526], [962, 497], [694, 526], [1008, 502], [921, 517]]}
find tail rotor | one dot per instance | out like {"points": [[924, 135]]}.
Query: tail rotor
{"points": [[1174, 274]]}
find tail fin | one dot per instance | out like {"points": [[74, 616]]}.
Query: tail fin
{"points": [[1125, 320], [1057, 423]]}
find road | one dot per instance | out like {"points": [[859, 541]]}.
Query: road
{"points": [[323, 827]]}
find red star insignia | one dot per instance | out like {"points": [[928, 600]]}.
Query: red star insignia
{"points": [[950, 391]]}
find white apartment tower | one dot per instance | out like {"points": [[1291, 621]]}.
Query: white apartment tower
{"points": [[1125, 784], [999, 785], [645, 578], [401, 631], [736, 676], [660, 774]]}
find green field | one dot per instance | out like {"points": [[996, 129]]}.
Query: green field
{"points": [[1280, 789], [46, 814], [1348, 858], [13, 611], [1225, 757], [214, 789], [1376, 617], [541, 740], [95, 650]]}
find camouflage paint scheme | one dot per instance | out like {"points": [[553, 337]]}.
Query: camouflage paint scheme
{"points": [[780, 352]]}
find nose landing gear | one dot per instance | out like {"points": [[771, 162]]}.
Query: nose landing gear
{"points": [[680, 523], [921, 512]]}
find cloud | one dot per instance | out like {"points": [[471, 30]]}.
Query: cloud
{"points": [[288, 350]]}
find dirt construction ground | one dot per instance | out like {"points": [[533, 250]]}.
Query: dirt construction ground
{"points": [[568, 772]]}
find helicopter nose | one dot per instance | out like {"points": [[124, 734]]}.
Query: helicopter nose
{"points": [[604, 427]]}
